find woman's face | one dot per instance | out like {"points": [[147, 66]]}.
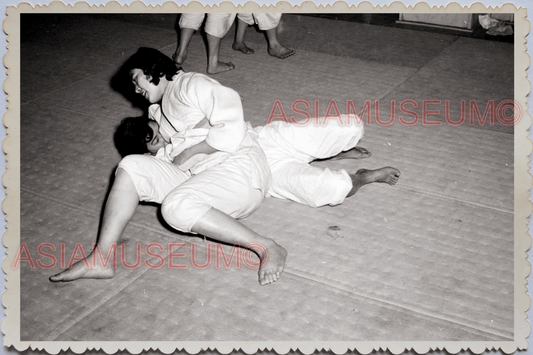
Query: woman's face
{"points": [[144, 86], [157, 141]]}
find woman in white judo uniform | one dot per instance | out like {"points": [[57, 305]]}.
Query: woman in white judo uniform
{"points": [[228, 184]]}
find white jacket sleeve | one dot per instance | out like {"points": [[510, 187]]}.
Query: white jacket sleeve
{"points": [[223, 109]]}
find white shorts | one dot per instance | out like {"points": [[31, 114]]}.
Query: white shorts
{"points": [[216, 25], [153, 178], [265, 21], [227, 187]]}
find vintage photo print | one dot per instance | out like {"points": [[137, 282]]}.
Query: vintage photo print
{"points": [[283, 178]]}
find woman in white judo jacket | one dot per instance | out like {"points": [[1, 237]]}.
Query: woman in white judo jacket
{"points": [[229, 183]]}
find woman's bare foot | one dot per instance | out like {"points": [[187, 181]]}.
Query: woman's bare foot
{"points": [[242, 47], [272, 263], [220, 67], [362, 177], [80, 271], [280, 52], [354, 153]]}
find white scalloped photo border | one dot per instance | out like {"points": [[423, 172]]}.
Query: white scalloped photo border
{"points": [[523, 207]]}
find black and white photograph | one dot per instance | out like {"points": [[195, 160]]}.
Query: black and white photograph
{"points": [[343, 179]]}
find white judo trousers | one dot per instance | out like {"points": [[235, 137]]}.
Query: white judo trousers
{"points": [[265, 21], [216, 25], [290, 148], [229, 186]]}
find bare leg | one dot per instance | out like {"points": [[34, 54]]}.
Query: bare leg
{"points": [[120, 207], [183, 47], [239, 44], [275, 48], [354, 153], [218, 225], [215, 66], [362, 177]]}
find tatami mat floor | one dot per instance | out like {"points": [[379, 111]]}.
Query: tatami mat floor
{"points": [[428, 259]]}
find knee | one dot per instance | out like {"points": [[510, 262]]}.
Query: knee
{"points": [[135, 165], [181, 210], [217, 25], [267, 21]]}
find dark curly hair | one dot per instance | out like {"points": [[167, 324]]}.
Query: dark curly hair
{"points": [[153, 63], [132, 134]]}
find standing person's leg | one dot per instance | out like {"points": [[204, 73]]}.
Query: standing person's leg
{"points": [[188, 24], [269, 22], [216, 27], [214, 65], [138, 177], [209, 204], [243, 21]]}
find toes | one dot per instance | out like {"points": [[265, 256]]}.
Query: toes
{"points": [[281, 54], [247, 50], [57, 277], [286, 55], [268, 278]]}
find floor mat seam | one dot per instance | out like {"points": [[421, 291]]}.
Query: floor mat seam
{"points": [[455, 199]]}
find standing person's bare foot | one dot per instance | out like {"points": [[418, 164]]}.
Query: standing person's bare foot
{"points": [[362, 177], [219, 67], [272, 263], [280, 52], [179, 56], [84, 269], [242, 47], [354, 153], [183, 45]]}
